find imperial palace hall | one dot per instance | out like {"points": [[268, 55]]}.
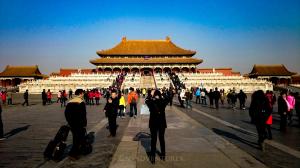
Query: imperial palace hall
{"points": [[146, 56]]}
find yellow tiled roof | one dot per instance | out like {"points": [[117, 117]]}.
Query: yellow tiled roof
{"points": [[270, 70], [146, 47], [21, 71]]}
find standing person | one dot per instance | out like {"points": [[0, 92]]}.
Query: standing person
{"points": [[297, 106], [222, 92], [144, 92], [259, 109], [198, 94], [182, 97], [188, 98], [233, 99], [157, 122], [111, 111], [26, 95], [44, 97], [91, 95], [203, 97], [283, 108], [3, 97], [70, 93], [122, 105], [171, 93], [217, 97], [211, 98], [9, 98], [291, 100], [59, 96], [1, 125], [269, 122], [242, 99], [63, 98], [49, 96], [97, 96], [132, 101], [75, 115]]}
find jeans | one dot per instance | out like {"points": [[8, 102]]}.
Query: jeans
{"points": [[133, 108]]}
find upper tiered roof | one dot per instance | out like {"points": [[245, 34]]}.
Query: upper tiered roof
{"points": [[146, 48]]}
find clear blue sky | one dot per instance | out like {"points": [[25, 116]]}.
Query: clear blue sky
{"points": [[231, 33]]}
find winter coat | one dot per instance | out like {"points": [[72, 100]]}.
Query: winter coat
{"points": [[75, 113]]}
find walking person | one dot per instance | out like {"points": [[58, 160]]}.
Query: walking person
{"points": [[44, 97], [75, 114], [132, 101], [157, 122], [1, 126], [111, 111], [25, 96], [259, 107], [283, 108], [217, 97], [242, 99]]}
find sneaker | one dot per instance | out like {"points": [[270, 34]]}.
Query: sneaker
{"points": [[134, 116]]}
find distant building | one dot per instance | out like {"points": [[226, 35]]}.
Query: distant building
{"points": [[224, 71], [68, 72], [14, 75], [277, 74]]}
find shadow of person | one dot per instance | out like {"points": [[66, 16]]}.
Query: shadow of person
{"points": [[16, 131], [235, 137]]}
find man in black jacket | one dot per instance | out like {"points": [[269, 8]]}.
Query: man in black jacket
{"points": [[75, 114], [157, 122], [111, 111], [216, 97]]}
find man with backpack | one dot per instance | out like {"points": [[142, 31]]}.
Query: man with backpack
{"points": [[132, 101]]}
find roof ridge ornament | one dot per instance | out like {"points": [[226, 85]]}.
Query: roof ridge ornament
{"points": [[168, 39], [124, 39]]}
